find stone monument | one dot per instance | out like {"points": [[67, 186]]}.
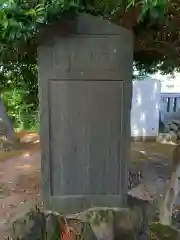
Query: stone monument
{"points": [[85, 88]]}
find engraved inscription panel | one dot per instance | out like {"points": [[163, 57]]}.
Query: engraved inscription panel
{"points": [[91, 53], [85, 136]]}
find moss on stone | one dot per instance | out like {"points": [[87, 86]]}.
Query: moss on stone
{"points": [[161, 232]]}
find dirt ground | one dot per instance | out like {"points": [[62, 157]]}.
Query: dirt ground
{"points": [[20, 181]]}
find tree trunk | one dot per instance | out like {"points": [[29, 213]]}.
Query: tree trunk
{"points": [[7, 136]]}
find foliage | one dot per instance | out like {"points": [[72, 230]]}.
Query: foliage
{"points": [[20, 20], [22, 114], [19, 93], [158, 48]]}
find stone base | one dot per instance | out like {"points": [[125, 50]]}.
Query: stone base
{"points": [[71, 204], [93, 224]]}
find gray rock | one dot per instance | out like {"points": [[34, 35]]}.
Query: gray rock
{"points": [[174, 127], [177, 122], [167, 127], [30, 227], [93, 224], [163, 138], [173, 136], [52, 227]]}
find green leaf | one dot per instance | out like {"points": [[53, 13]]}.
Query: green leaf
{"points": [[5, 24], [31, 12]]}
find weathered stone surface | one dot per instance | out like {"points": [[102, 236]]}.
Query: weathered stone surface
{"points": [[167, 128], [166, 137], [148, 196], [115, 223], [52, 227], [93, 224], [173, 129], [128, 224], [30, 226], [177, 122], [85, 90], [173, 135]]}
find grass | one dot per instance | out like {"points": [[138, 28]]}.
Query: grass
{"points": [[141, 151], [161, 232]]}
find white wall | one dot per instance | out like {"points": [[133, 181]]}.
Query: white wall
{"points": [[145, 108], [150, 96]]}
